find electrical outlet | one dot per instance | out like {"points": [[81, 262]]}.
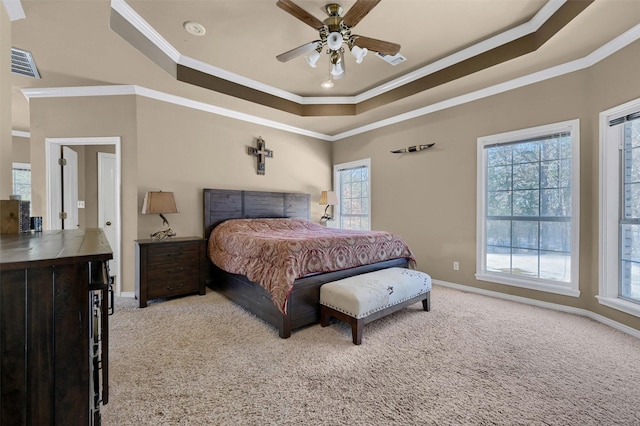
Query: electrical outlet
{"points": [[456, 266], [80, 204]]}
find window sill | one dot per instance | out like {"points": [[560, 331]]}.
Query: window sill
{"points": [[620, 305], [549, 287]]}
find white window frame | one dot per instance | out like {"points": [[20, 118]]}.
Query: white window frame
{"points": [[611, 139], [20, 166], [568, 289], [366, 162]]}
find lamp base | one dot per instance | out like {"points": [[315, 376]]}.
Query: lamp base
{"points": [[325, 218], [161, 235]]}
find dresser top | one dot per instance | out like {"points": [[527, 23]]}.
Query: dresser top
{"points": [[53, 247]]}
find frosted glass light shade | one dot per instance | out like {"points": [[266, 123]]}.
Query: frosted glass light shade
{"points": [[334, 40], [312, 59]]}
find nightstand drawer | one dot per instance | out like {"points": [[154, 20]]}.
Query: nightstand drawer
{"points": [[174, 254], [187, 266], [168, 286]]}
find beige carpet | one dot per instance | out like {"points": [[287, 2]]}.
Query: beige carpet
{"points": [[201, 360]]}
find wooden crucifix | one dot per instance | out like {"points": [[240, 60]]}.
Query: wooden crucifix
{"points": [[261, 152]]}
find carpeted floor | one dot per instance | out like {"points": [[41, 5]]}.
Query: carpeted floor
{"points": [[472, 360]]}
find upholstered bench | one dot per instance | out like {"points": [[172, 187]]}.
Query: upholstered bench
{"points": [[361, 299]]}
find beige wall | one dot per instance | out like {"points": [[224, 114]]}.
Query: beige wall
{"points": [[90, 117], [429, 197], [176, 149], [20, 150], [6, 142], [187, 150]]}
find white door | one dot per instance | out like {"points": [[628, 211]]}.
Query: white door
{"points": [[70, 187], [108, 205], [62, 187]]}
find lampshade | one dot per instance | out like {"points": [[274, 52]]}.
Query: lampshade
{"points": [[334, 40], [158, 202], [312, 59], [328, 198], [336, 65], [359, 53]]}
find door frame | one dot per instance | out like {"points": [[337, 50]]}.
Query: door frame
{"points": [[52, 150]]}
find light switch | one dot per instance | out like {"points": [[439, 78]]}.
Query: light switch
{"points": [[80, 204]]}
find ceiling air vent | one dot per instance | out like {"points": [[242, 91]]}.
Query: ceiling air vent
{"points": [[22, 63], [392, 59]]}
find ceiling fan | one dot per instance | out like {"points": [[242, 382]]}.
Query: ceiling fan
{"points": [[335, 31]]}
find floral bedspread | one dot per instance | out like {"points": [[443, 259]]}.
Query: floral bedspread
{"points": [[276, 252]]}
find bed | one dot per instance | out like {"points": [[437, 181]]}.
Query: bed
{"points": [[301, 306]]}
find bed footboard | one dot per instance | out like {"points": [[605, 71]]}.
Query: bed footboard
{"points": [[304, 300]]}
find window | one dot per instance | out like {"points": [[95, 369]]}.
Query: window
{"points": [[22, 180], [619, 280], [528, 205], [353, 188]]}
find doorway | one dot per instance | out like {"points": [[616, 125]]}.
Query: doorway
{"points": [[54, 185]]}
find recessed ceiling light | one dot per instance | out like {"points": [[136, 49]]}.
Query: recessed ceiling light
{"points": [[327, 84], [194, 28]]}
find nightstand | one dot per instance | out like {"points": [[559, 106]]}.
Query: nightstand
{"points": [[171, 267]]}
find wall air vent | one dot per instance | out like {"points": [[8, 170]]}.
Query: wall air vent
{"points": [[392, 59], [22, 63]]}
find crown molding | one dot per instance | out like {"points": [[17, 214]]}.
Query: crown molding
{"points": [[593, 58], [78, 91], [14, 9], [529, 27], [505, 37], [20, 134], [147, 30], [120, 90]]}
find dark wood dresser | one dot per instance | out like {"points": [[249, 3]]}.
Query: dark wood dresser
{"points": [[170, 267], [53, 327]]}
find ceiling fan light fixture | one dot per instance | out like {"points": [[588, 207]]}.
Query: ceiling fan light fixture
{"points": [[335, 32], [359, 53], [312, 59], [336, 68], [327, 84], [334, 40]]}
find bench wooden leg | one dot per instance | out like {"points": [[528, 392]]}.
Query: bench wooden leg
{"points": [[426, 302], [356, 330], [324, 316]]}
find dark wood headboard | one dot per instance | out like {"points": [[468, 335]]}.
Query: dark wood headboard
{"points": [[223, 204]]}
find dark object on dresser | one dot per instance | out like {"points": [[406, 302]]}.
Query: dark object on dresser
{"points": [[14, 216], [171, 267], [303, 307], [54, 337]]}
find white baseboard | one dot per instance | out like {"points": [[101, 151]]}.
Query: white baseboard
{"points": [[129, 294], [569, 309]]}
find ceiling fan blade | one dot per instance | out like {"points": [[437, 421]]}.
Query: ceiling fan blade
{"points": [[381, 46], [298, 12], [358, 11], [298, 51]]}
